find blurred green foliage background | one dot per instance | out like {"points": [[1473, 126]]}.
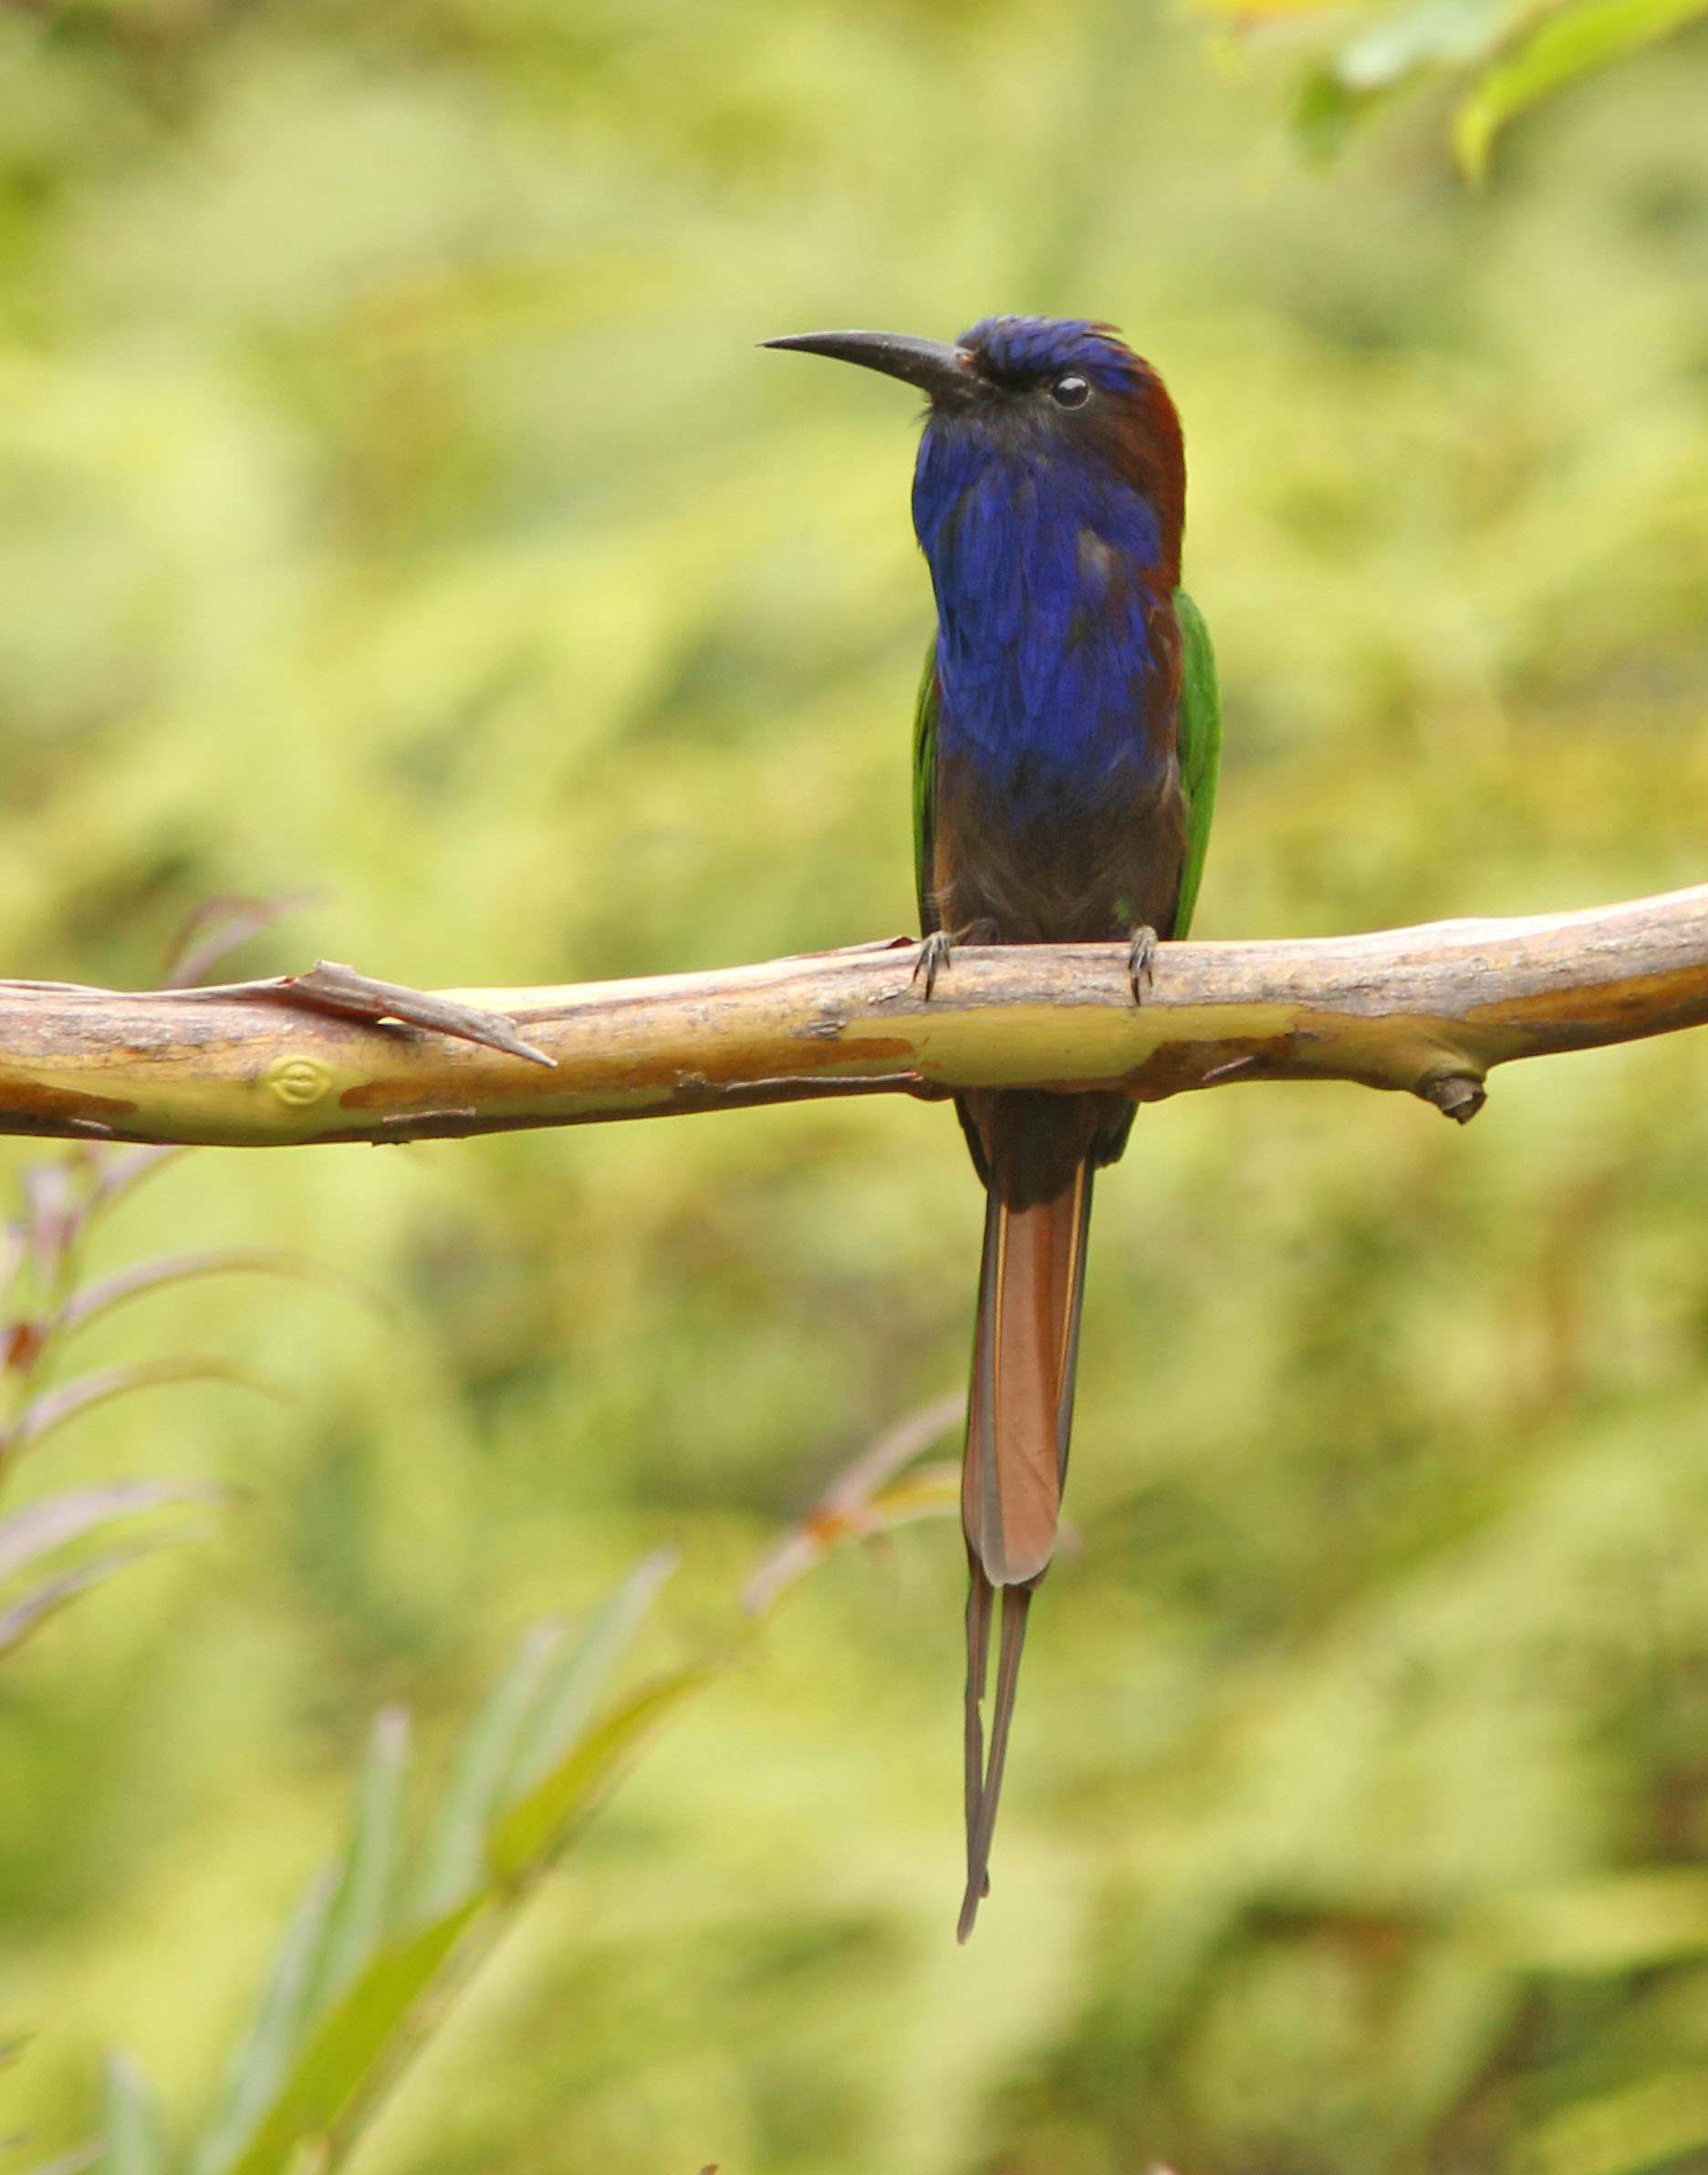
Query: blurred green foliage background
{"points": [[391, 502]]}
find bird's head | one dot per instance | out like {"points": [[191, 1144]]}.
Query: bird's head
{"points": [[1067, 388]]}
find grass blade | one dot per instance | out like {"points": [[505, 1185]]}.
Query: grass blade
{"points": [[99, 1298], [52, 1214], [350, 2005], [14, 1245], [367, 1874], [119, 1173], [356, 2049], [263, 2060], [531, 1832], [858, 1502], [218, 926], [567, 1702], [453, 1859], [52, 1408], [29, 1535], [28, 1615], [129, 2138]]}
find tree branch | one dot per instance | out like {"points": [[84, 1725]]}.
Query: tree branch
{"points": [[1428, 1010]]}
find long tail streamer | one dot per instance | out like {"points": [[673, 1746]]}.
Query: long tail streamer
{"points": [[1019, 1419]]}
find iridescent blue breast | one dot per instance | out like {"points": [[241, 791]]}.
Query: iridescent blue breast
{"points": [[1043, 559]]}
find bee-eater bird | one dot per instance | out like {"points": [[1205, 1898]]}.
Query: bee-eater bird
{"points": [[1065, 767]]}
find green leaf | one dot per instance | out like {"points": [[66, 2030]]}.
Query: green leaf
{"points": [[1620, 2132], [1569, 42], [129, 2132], [259, 2071], [534, 1829], [356, 2049], [527, 1729], [453, 1857], [567, 1699], [1620, 1924], [347, 2007], [367, 1874], [1425, 35]]}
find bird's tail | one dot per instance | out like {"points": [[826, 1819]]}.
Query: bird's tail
{"points": [[1019, 1416]]}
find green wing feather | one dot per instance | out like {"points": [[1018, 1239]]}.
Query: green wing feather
{"points": [[1198, 730], [925, 790], [1199, 734]]}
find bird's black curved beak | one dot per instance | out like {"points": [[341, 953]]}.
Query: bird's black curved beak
{"points": [[929, 364]]}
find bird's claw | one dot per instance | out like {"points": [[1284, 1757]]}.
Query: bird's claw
{"points": [[1140, 956], [933, 957]]}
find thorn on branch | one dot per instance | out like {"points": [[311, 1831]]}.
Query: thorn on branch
{"points": [[1456, 1094], [330, 987]]}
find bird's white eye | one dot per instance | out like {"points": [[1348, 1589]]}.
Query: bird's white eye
{"points": [[1071, 391]]}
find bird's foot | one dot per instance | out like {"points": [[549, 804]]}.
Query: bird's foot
{"points": [[933, 957], [1140, 954]]}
